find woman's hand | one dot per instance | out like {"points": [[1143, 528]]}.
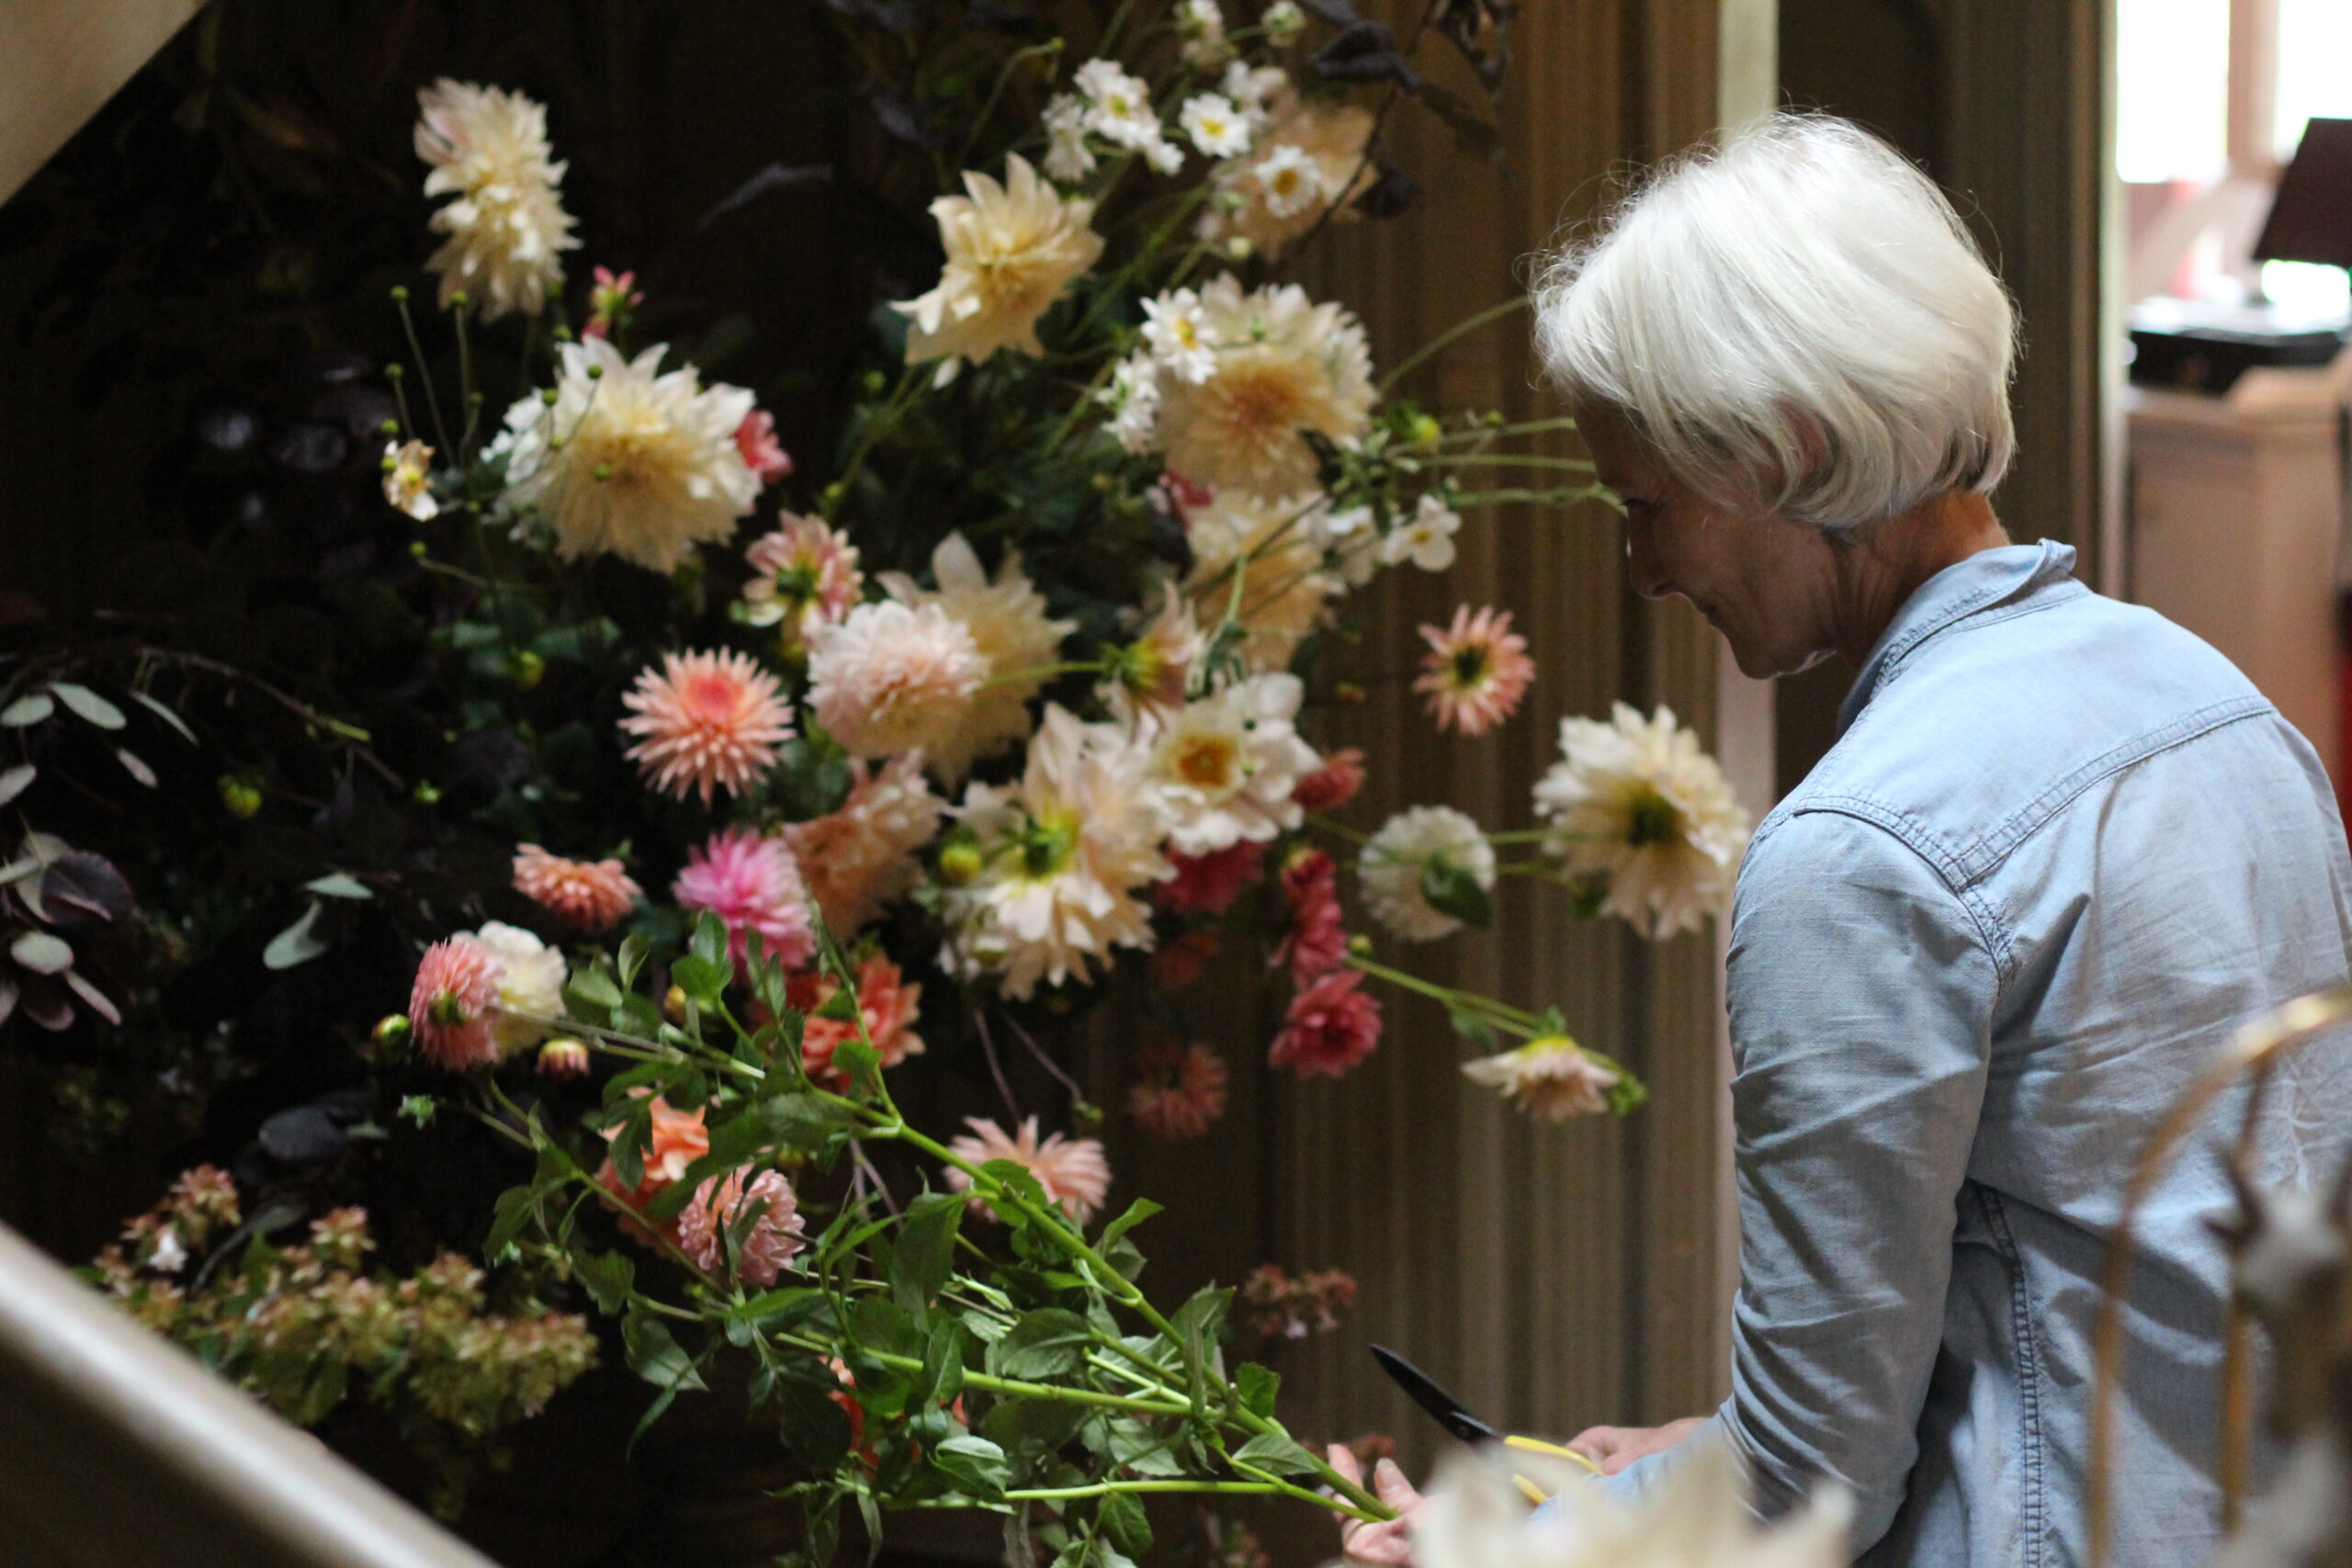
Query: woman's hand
{"points": [[1386, 1545], [1614, 1448]]}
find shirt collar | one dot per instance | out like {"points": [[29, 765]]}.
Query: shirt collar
{"points": [[1984, 580]]}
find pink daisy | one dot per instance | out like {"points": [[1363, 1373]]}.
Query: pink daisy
{"points": [[1180, 962], [1334, 784], [449, 1007], [752, 884], [1071, 1170], [705, 721], [1207, 884], [1177, 1090], [717, 1207], [1332, 1027], [1315, 944], [762, 453], [891, 1006], [591, 894], [1475, 671]]}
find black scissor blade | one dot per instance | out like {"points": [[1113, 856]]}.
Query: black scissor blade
{"points": [[1432, 1396]]}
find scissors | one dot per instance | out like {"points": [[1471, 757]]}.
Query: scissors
{"points": [[1432, 1396]]}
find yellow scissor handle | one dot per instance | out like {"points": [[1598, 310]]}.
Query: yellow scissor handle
{"points": [[1536, 1494]]}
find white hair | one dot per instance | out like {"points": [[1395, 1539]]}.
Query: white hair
{"points": [[1794, 323]]}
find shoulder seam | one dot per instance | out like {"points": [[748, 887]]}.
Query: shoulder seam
{"points": [[1925, 846]]}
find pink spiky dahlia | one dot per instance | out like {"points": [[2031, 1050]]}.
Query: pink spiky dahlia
{"points": [[1475, 671], [705, 722], [592, 895], [719, 1205], [753, 884], [1071, 1170], [451, 1004]]}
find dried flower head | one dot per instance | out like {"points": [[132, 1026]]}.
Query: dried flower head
{"points": [[705, 722], [1176, 1091], [1334, 784]]}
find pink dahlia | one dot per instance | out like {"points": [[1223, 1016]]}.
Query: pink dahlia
{"points": [[717, 1207], [804, 573], [1332, 1027], [591, 895], [451, 1003], [1315, 944], [762, 453], [1207, 884], [892, 677], [890, 1007], [1179, 963], [1475, 671], [1177, 1090], [1334, 784], [706, 721], [1071, 1170], [752, 884]]}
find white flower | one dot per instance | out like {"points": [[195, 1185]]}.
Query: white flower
{"points": [[1163, 156], [1637, 802], [857, 859], [1273, 545], [628, 461], [507, 229], [1007, 620], [1427, 540], [1309, 158], [891, 676], [1152, 673], [1283, 21], [1252, 88], [1179, 336], [1352, 543], [1284, 364], [1068, 849], [1287, 180], [1121, 111], [1226, 764], [170, 1255], [1551, 1078], [1133, 397], [1200, 19], [1393, 863], [408, 479], [1217, 128], [1068, 157], [531, 981], [1012, 249]]}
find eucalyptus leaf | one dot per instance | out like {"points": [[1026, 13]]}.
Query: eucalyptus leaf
{"points": [[298, 943], [14, 781], [167, 715], [338, 884], [87, 705], [27, 711], [41, 953]]}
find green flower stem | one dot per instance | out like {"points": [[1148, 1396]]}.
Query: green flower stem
{"points": [[1268, 543], [1466, 326], [882, 417], [989, 1383], [1105, 1488], [1503, 460], [466, 388], [1523, 427], [1342, 830], [1565, 495], [1050, 48], [1526, 1025], [424, 373], [1521, 836]]}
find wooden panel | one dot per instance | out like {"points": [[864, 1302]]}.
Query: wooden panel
{"points": [[60, 60]]}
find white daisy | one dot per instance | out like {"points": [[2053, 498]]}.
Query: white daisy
{"points": [[1217, 128], [1287, 180], [1427, 540], [1120, 106], [1133, 397], [1394, 862], [1179, 336]]}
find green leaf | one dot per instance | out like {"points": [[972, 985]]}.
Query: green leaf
{"points": [[879, 1325], [14, 782], [943, 1364], [925, 1252], [135, 765], [1454, 890], [975, 1465], [1139, 1211], [1121, 1519], [1049, 1343], [1199, 1322], [1032, 1425], [1258, 1386], [512, 1210], [655, 1356], [701, 980], [298, 943], [1471, 1027], [338, 884], [87, 705], [631, 958], [1278, 1452], [816, 1428], [25, 712], [609, 1277], [710, 944], [592, 992]]}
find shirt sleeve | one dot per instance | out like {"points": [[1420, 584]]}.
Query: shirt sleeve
{"points": [[1861, 994]]}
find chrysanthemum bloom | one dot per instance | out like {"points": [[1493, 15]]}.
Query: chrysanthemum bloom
{"points": [[1637, 802], [1334, 784], [449, 1006], [893, 677], [1068, 848], [1475, 671], [1426, 538], [1017, 642], [720, 1204], [1012, 249], [1072, 1171], [1151, 674], [1310, 158], [1315, 942], [1283, 365], [856, 860], [1176, 1090], [530, 981], [628, 461], [1273, 544], [1226, 765], [594, 896], [610, 301], [1551, 1078], [408, 479], [752, 884], [1180, 962], [705, 722], [507, 229], [1394, 862], [1208, 884], [890, 1006], [1216, 126], [1331, 1026]]}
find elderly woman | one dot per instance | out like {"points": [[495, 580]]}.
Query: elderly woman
{"points": [[2060, 848]]}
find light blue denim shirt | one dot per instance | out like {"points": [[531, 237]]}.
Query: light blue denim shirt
{"points": [[2061, 848]]}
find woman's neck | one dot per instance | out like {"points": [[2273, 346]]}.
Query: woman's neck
{"points": [[1879, 572]]}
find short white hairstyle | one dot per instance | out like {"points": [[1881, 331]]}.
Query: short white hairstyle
{"points": [[1795, 321]]}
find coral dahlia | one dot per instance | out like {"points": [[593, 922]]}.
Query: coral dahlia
{"points": [[705, 722], [1072, 1171], [890, 1006], [594, 896], [858, 858], [1475, 671]]}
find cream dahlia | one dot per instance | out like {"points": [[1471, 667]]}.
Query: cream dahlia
{"points": [[705, 722], [530, 980], [507, 229], [1310, 158], [721, 1206], [752, 884], [1151, 674], [1395, 862], [1226, 765], [1475, 671], [408, 479], [594, 896], [893, 676], [1066, 851], [1176, 1091], [1636, 802], [1273, 545], [1018, 644], [1283, 365], [860, 856], [1072, 1171], [803, 573], [449, 1006], [1012, 249], [1551, 1078], [628, 461]]}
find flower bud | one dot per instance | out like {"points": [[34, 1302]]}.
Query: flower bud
{"points": [[1426, 431], [240, 796], [400, 294], [459, 299], [564, 1058], [960, 860], [673, 1005], [1360, 946], [392, 1033], [529, 670], [1347, 691], [1239, 248], [425, 794]]}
